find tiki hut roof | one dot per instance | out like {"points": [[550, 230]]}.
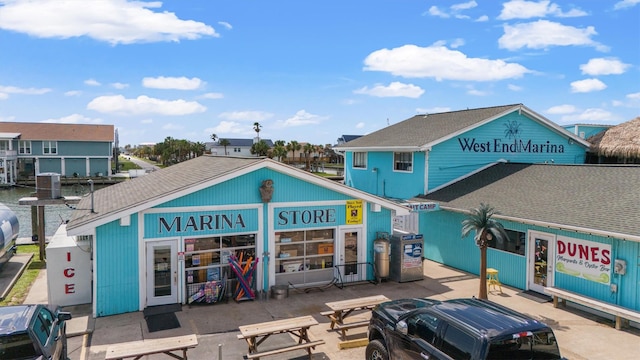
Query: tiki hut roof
{"points": [[621, 141]]}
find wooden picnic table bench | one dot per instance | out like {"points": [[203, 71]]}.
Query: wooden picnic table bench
{"points": [[256, 334], [138, 349], [342, 309]]}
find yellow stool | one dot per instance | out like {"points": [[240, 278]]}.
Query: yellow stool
{"points": [[492, 279]]}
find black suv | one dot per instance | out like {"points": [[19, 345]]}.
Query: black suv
{"points": [[456, 329], [33, 332]]}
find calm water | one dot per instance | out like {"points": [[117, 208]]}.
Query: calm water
{"points": [[54, 214]]}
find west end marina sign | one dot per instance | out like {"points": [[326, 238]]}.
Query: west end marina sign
{"points": [[513, 143]]}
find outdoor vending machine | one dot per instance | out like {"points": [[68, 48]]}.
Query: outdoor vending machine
{"points": [[406, 257]]}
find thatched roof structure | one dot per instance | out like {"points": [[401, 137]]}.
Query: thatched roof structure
{"points": [[622, 141]]}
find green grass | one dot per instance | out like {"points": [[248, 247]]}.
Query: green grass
{"points": [[21, 288], [126, 165]]}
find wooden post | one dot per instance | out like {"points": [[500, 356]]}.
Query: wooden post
{"points": [[34, 222], [41, 231]]}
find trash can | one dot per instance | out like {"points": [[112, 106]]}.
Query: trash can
{"points": [[381, 260], [280, 292]]}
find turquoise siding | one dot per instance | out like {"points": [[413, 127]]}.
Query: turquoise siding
{"points": [[75, 165], [588, 130], [286, 189], [50, 165], [443, 244], [385, 181], [83, 148], [189, 223], [101, 165], [485, 145], [117, 288]]}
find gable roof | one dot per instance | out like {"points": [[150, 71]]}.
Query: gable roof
{"points": [[424, 131], [129, 197], [347, 138], [59, 132], [598, 199]]}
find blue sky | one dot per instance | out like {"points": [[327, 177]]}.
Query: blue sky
{"points": [[311, 71]]}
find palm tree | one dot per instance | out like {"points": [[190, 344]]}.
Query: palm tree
{"points": [[293, 146], [308, 149], [260, 148], [256, 128], [279, 150], [214, 137], [480, 220], [225, 143]]}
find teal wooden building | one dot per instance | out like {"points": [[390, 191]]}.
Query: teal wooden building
{"points": [[164, 237], [571, 225]]}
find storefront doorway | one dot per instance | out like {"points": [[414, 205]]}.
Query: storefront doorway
{"points": [[162, 272], [540, 260], [351, 263]]}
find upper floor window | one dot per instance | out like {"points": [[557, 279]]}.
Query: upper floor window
{"points": [[24, 147], [49, 147], [360, 160], [4, 145], [403, 161]]}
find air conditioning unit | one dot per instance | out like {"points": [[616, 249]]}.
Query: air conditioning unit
{"points": [[48, 186]]}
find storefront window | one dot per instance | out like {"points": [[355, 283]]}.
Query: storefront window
{"points": [[304, 256], [207, 262], [514, 243]]}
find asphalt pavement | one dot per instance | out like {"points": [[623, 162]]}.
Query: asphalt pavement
{"points": [[580, 335]]}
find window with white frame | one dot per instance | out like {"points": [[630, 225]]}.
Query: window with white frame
{"points": [[403, 161], [4, 145], [360, 160], [24, 147], [49, 147]]}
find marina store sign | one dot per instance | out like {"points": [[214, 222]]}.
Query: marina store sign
{"points": [[513, 144]]}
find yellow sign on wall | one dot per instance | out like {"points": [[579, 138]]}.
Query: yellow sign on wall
{"points": [[354, 212]]}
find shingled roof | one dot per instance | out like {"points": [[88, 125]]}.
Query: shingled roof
{"points": [[59, 132], [598, 198], [144, 192]]}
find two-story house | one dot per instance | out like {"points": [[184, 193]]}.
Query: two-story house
{"points": [[27, 149]]}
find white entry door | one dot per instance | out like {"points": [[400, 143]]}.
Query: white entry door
{"points": [[540, 260], [351, 250], [162, 272]]}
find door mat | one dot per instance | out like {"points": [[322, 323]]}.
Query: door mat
{"points": [[535, 296], [164, 321], [161, 309]]}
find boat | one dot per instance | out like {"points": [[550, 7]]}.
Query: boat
{"points": [[10, 228]]}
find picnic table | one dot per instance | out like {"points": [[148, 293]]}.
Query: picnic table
{"points": [[138, 349], [342, 309], [256, 334]]}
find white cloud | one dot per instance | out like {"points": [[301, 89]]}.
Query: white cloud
{"points": [[456, 43], [482, 18], [146, 121], [8, 118], [4, 96], [514, 87], [433, 110], [23, 91], [171, 127], [434, 11], [454, 10], [561, 109], [118, 104], [246, 115], [542, 34], [395, 89], [596, 115], [119, 86], [225, 24], [74, 119], [92, 82], [634, 96], [587, 85], [464, 6], [360, 125], [300, 118], [114, 21], [440, 63], [625, 4], [604, 66], [212, 95], [476, 92], [229, 127], [521, 9], [175, 83], [73, 93]]}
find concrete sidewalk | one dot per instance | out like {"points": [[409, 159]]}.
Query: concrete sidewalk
{"points": [[580, 335]]}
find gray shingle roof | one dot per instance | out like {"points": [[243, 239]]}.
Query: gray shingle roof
{"points": [[424, 129], [603, 198]]}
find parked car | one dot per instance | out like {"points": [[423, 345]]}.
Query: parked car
{"points": [[461, 329], [33, 332]]}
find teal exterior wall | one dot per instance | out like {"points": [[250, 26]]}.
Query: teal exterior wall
{"points": [[117, 277], [84, 148], [443, 244], [75, 165], [50, 165], [99, 166], [495, 141], [75, 155], [587, 130]]}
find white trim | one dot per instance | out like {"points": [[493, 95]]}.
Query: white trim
{"points": [[467, 175], [426, 172], [408, 148]]}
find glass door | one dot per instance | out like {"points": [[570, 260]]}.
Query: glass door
{"points": [[351, 265], [540, 260], [162, 272]]}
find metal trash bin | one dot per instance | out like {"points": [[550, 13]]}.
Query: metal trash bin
{"points": [[279, 292], [381, 249]]}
